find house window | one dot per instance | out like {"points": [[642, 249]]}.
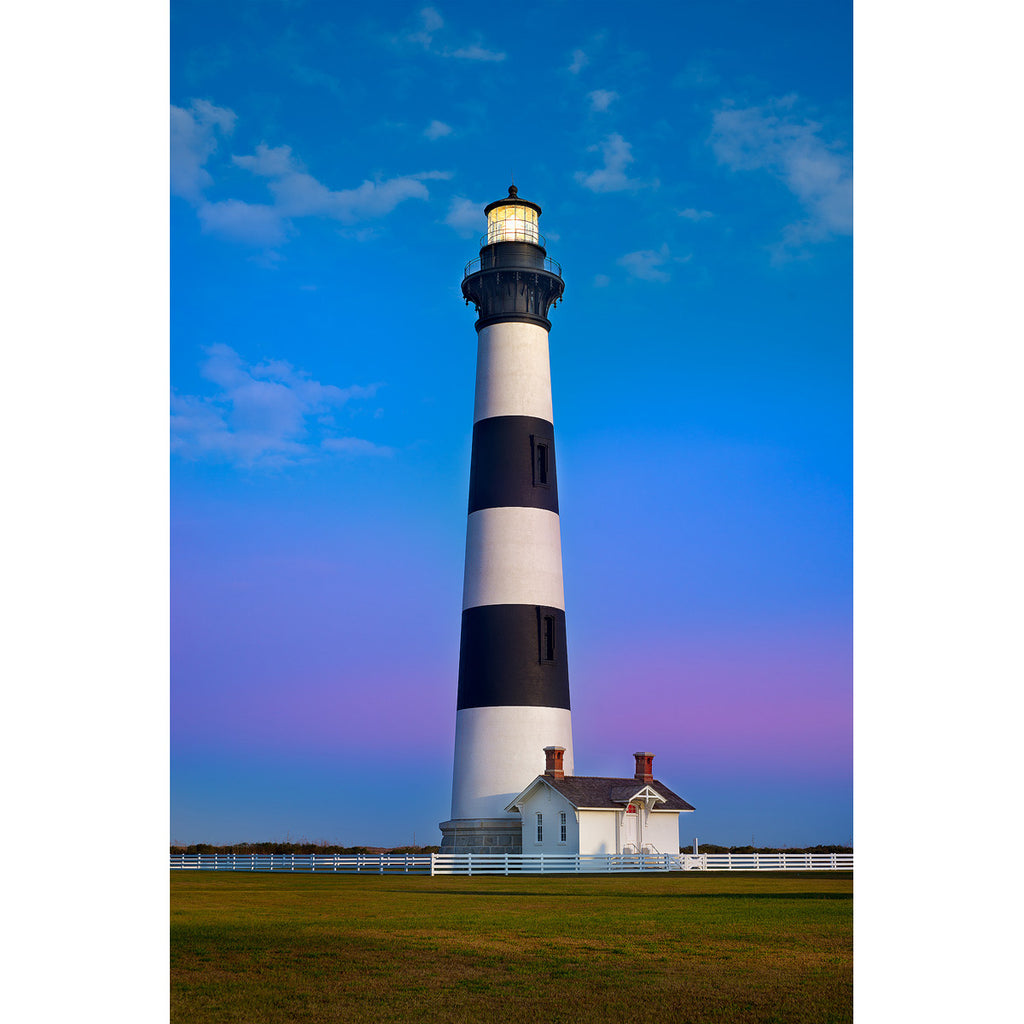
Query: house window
{"points": [[561, 827], [546, 624], [540, 827], [541, 461]]}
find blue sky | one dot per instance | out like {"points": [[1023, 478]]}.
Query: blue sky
{"points": [[328, 173]]}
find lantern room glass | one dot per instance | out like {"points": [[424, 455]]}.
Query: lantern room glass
{"points": [[511, 222]]}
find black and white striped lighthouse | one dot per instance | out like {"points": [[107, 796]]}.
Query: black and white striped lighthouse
{"points": [[513, 696]]}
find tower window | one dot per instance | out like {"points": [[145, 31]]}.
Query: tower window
{"points": [[540, 827], [541, 461], [546, 621], [561, 827]]}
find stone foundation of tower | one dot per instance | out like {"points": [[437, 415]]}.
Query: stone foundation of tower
{"points": [[482, 835]]}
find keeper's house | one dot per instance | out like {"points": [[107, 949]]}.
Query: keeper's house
{"points": [[592, 814]]}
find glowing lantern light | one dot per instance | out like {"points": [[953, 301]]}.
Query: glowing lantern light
{"points": [[512, 220]]}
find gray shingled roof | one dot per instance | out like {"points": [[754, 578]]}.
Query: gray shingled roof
{"points": [[598, 791]]}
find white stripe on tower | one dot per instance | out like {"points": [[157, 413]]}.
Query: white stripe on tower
{"points": [[513, 556], [513, 375], [494, 754]]}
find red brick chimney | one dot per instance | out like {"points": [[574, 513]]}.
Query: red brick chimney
{"points": [[644, 766], [553, 768]]}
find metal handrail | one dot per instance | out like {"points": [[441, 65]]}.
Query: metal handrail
{"points": [[550, 265]]}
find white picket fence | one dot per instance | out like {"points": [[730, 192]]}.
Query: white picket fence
{"points": [[508, 863]]}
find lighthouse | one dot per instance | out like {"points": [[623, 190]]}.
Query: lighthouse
{"points": [[513, 687]]}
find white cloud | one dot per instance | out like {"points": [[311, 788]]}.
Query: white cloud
{"points": [[430, 23], [647, 264], [193, 141], [602, 280], [818, 173], [270, 162], [268, 414], [466, 217], [437, 130], [475, 52], [238, 221], [354, 446], [295, 193], [432, 19], [579, 61], [617, 154], [301, 195], [298, 194], [691, 214], [601, 99]]}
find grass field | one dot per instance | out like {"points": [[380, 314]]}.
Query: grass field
{"points": [[681, 948]]}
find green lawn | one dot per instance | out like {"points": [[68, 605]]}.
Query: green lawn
{"points": [[677, 949]]}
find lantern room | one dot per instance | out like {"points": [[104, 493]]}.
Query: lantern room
{"points": [[513, 220]]}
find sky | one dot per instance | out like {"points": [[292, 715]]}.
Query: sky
{"points": [[328, 171]]}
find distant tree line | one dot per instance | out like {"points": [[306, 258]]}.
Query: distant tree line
{"points": [[247, 849], [712, 848], [304, 848]]}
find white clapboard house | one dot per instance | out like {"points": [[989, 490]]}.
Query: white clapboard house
{"points": [[593, 814]]}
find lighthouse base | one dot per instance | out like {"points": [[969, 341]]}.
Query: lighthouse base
{"points": [[482, 835]]}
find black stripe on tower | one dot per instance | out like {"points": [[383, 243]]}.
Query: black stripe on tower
{"points": [[513, 464], [513, 655]]}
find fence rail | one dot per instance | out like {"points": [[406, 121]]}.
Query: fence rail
{"points": [[507, 863]]}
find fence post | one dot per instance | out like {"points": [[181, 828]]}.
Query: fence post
{"points": [[506, 862], [469, 861], [432, 865]]}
